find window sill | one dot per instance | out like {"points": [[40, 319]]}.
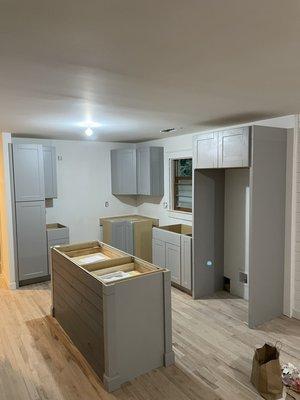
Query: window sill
{"points": [[180, 212]]}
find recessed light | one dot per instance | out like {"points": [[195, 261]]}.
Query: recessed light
{"points": [[168, 130], [89, 131]]}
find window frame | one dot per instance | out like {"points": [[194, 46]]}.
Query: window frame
{"points": [[174, 183]]}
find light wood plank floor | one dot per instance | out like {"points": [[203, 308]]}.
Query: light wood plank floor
{"points": [[213, 346]]}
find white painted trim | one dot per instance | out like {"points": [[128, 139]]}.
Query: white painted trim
{"points": [[290, 224], [171, 156], [10, 275], [296, 314]]}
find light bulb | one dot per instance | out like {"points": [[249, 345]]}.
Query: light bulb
{"points": [[89, 132]]}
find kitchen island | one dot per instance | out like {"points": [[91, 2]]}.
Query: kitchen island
{"points": [[115, 308]]}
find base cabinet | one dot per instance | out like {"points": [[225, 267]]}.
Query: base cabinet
{"points": [[173, 251], [130, 233], [173, 261]]}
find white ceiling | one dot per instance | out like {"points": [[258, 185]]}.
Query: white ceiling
{"points": [[138, 66]]}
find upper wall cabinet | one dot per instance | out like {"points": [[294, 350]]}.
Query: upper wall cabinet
{"points": [[150, 171], [50, 173], [206, 151], [224, 149], [28, 172], [123, 171], [138, 171]]}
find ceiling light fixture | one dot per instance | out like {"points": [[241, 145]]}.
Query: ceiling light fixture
{"points": [[89, 131]]}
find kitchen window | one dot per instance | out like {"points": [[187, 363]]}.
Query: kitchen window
{"points": [[182, 184]]}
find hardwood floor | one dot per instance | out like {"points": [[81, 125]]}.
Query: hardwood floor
{"points": [[213, 346]]}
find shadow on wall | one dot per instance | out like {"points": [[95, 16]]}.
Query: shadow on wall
{"points": [[148, 199], [129, 200]]}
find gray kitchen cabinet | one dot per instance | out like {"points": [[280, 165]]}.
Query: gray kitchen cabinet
{"points": [[172, 249], [123, 171], [57, 234], [234, 148], [186, 262], [28, 172], [159, 252], [130, 233], [31, 240], [225, 149], [206, 151], [173, 261], [150, 171], [50, 173], [137, 171], [122, 236]]}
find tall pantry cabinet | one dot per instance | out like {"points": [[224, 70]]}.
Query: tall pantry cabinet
{"points": [[30, 185]]}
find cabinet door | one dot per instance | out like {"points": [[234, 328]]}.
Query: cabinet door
{"points": [[206, 151], [143, 170], [234, 148], [173, 261], [50, 175], [122, 236], [31, 240], [186, 262], [123, 171], [159, 253], [28, 172]]}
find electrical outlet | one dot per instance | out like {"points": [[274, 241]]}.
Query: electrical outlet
{"points": [[106, 204]]}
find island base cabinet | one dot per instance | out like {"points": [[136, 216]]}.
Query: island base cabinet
{"points": [[123, 328]]}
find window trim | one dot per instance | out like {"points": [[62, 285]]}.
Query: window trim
{"points": [[172, 186]]}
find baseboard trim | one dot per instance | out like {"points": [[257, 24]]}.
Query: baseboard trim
{"points": [[296, 314], [12, 285], [5, 284]]}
